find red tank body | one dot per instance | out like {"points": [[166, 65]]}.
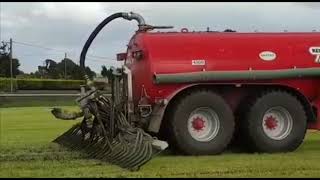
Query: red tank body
{"points": [[184, 52]]}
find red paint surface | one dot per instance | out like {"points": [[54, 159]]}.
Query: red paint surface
{"points": [[271, 123], [198, 123], [173, 52]]}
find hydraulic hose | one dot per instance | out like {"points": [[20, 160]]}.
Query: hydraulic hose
{"points": [[127, 16], [193, 77]]}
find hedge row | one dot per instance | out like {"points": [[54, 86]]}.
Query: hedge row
{"points": [[40, 84], [5, 84]]}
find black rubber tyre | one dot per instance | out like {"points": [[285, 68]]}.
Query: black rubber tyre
{"points": [[239, 141], [180, 138], [252, 129]]}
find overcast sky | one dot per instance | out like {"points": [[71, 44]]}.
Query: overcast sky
{"points": [[66, 26]]}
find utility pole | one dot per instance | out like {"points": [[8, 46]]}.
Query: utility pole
{"points": [[11, 72], [65, 65]]}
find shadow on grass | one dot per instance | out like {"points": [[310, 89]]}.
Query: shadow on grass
{"points": [[236, 148]]}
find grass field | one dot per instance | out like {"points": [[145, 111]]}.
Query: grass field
{"points": [[26, 151], [37, 101]]}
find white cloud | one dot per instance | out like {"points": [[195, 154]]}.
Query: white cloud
{"points": [[13, 22], [80, 12]]}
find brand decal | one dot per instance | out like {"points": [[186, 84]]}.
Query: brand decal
{"points": [[198, 62], [316, 52], [267, 55]]}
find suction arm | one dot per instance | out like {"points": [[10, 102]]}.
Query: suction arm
{"points": [[128, 16]]}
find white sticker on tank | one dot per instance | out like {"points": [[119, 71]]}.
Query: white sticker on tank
{"points": [[315, 51], [198, 62], [267, 55]]}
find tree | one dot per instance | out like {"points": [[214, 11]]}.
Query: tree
{"points": [[90, 73], [49, 70], [74, 70], [5, 63], [5, 66], [106, 72], [66, 68], [70, 66], [51, 67]]}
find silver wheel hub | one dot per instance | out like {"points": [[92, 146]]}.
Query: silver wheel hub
{"points": [[203, 124], [277, 123]]}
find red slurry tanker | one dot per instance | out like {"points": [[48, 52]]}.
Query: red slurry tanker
{"points": [[207, 84], [200, 90]]}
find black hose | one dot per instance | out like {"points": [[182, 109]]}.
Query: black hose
{"points": [[93, 35]]}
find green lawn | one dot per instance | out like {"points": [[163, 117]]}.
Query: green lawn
{"points": [[26, 151]]}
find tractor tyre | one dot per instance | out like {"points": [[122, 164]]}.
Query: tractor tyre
{"points": [[200, 123], [275, 121]]}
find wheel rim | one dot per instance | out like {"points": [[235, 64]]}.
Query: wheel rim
{"points": [[203, 124], [277, 123]]}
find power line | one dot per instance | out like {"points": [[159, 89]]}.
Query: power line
{"points": [[88, 58], [51, 54], [37, 46], [53, 49], [91, 58], [96, 60], [100, 57]]}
